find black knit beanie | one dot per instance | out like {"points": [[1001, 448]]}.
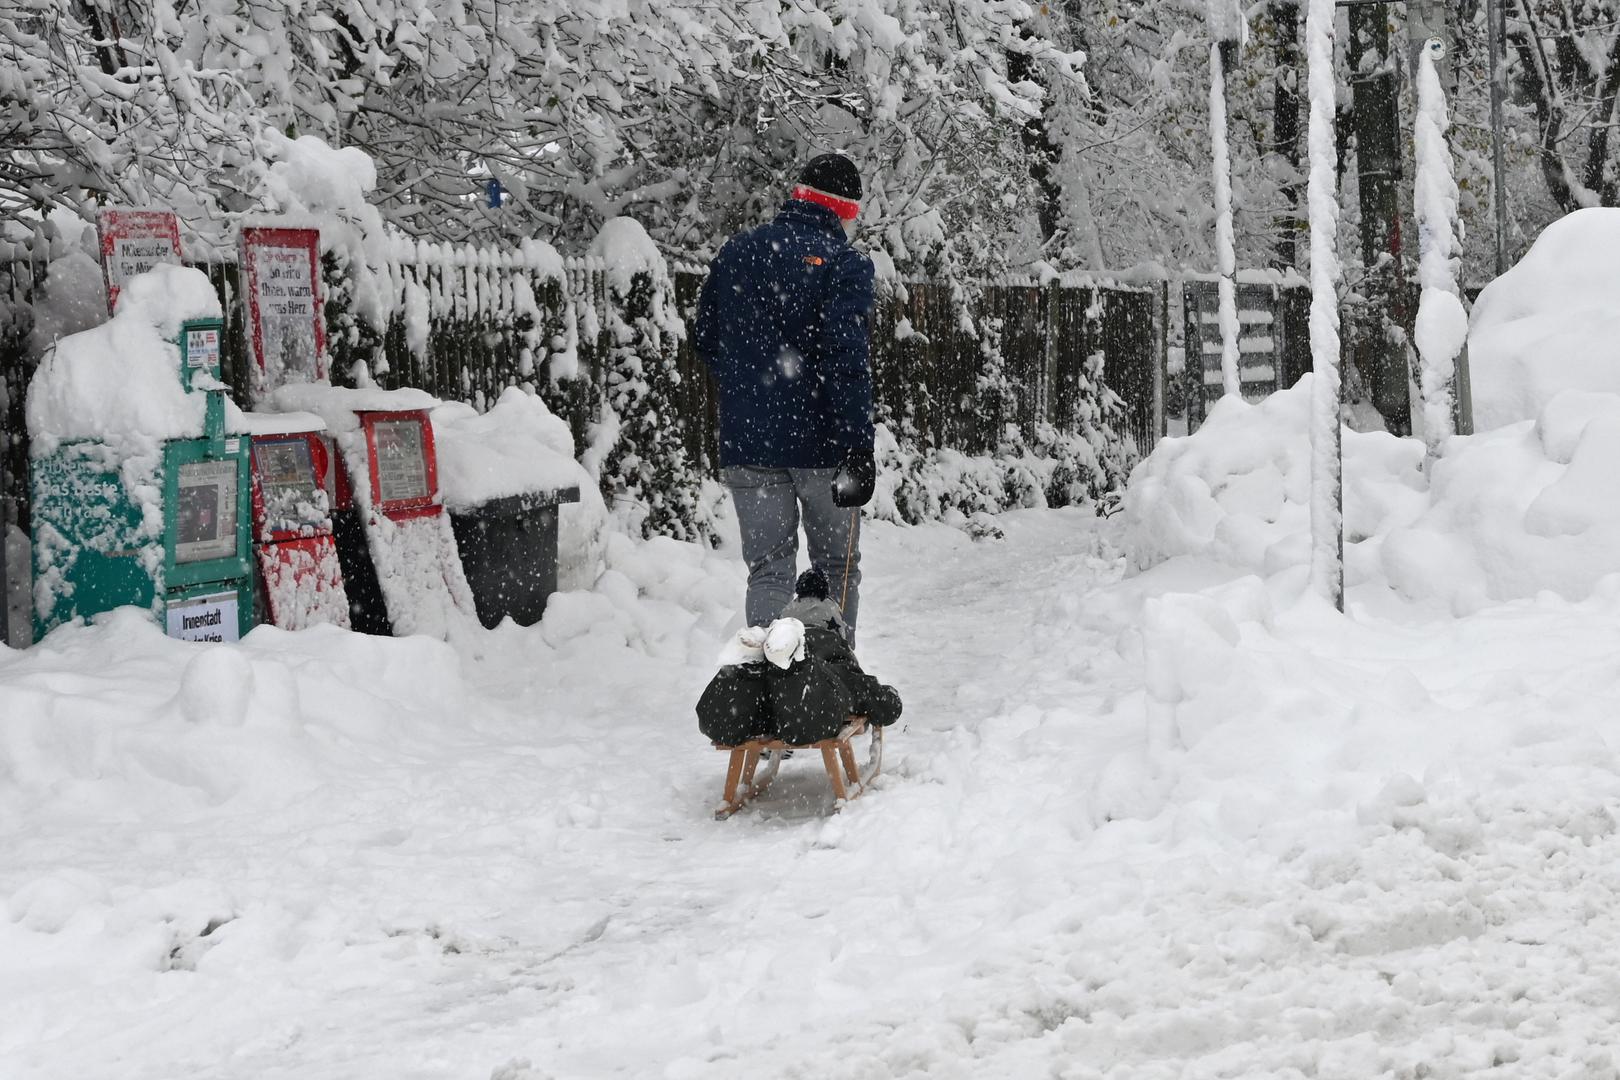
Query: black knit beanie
{"points": [[812, 585], [834, 174]]}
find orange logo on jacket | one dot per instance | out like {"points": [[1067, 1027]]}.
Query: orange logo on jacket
{"points": [[813, 260]]}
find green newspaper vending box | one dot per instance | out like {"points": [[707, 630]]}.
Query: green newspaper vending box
{"points": [[96, 544]]}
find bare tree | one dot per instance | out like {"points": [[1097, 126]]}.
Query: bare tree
{"points": [[1567, 69]]}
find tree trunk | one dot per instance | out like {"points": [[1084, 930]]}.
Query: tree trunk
{"points": [[1381, 333], [1285, 128], [1041, 151]]}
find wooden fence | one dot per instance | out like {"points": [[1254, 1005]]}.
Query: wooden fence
{"points": [[1274, 346], [467, 323]]}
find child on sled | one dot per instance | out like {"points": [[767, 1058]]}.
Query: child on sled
{"points": [[796, 680]]}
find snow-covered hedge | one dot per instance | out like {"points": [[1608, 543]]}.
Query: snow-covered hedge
{"points": [[602, 340]]}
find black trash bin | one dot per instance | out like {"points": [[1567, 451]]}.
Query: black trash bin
{"points": [[509, 552]]}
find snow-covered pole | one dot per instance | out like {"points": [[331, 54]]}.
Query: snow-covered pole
{"points": [[1327, 464], [1442, 325], [1227, 29], [1493, 37]]}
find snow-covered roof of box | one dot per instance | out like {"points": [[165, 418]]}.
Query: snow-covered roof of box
{"points": [[282, 423], [120, 382], [515, 448], [336, 405]]}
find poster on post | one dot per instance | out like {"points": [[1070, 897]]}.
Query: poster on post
{"points": [[132, 242], [281, 289]]}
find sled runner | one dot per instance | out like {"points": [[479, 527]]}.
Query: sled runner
{"points": [[837, 755]]}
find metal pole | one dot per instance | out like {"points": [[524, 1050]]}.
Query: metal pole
{"points": [[1493, 37]]}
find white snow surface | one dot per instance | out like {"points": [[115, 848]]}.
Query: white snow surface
{"points": [[1183, 823], [281, 423], [119, 382], [1550, 323]]}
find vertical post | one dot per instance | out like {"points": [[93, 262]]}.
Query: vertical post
{"points": [[1442, 325], [1379, 342], [1327, 516], [1285, 128], [1227, 31], [1161, 358], [1225, 240], [1494, 26]]}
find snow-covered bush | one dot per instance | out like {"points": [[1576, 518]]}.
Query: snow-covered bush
{"points": [[1079, 456], [638, 449]]}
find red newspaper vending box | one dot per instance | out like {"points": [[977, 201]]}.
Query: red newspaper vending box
{"points": [[301, 579], [400, 563], [404, 469]]}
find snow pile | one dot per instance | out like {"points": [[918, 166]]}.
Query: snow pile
{"points": [[625, 250], [518, 446], [1550, 323], [1519, 510], [120, 382], [1505, 514], [1238, 491]]}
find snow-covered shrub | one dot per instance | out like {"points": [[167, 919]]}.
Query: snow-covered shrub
{"points": [[644, 470], [1002, 464]]}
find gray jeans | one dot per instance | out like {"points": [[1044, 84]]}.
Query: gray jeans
{"points": [[770, 503]]}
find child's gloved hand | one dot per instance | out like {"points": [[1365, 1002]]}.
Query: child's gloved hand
{"points": [[748, 647], [784, 643]]}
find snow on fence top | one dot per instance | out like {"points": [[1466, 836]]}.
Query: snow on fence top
{"points": [[1288, 278]]}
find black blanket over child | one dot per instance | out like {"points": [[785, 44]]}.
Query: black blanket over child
{"points": [[796, 680]]}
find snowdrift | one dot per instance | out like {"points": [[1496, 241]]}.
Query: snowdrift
{"points": [[1549, 324], [1529, 507]]}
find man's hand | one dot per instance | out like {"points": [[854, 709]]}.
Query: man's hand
{"points": [[856, 479]]}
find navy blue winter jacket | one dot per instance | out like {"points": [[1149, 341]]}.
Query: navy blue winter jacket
{"points": [[782, 325]]}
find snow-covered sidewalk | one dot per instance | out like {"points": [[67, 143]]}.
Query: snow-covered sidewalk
{"points": [[1362, 847]]}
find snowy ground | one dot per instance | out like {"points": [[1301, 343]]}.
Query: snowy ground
{"points": [[1375, 846]]}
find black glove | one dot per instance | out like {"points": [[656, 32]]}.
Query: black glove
{"points": [[856, 479]]}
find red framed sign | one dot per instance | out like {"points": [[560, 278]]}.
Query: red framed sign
{"points": [[132, 242], [281, 290], [292, 487], [404, 466]]}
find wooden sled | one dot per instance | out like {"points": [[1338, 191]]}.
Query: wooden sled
{"points": [[837, 755]]}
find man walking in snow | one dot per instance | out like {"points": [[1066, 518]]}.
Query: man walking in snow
{"points": [[782, 325]]}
